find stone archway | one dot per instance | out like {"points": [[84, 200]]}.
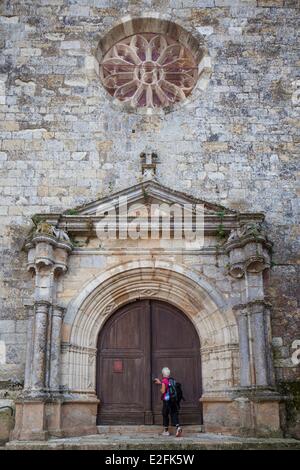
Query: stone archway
{"points": [[161, 280], [233, 328]]}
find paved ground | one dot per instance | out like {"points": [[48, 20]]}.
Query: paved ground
{"points": [[153, 441]]}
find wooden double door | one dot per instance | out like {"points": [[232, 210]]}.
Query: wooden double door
{"points": [[134, 345]]}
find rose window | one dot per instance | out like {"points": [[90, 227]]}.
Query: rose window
{"points": [[149, 70]]}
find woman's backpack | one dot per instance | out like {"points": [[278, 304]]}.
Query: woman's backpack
{"points": [[175, 391]]}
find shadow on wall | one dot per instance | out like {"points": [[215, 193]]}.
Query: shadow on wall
{"points": [[290, 392]]}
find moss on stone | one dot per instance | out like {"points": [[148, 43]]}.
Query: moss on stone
{"points": [[71, 212]]}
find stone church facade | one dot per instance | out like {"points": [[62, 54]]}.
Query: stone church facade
{"points": [[107, 104]]}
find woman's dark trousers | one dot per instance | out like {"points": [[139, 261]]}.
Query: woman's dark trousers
{"points": [[170, 409]]}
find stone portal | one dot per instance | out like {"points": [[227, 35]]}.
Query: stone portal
{"points": [[80, 281]]}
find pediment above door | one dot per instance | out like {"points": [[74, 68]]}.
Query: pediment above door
{"points": [[82, 219]]}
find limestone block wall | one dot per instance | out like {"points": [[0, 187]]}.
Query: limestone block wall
{"points": [[63, 144]]}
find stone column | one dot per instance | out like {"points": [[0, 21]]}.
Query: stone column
{"points": [[268, 334], [256, 401], [48, 249], [255, 353], [248, 250], [245, 360], [261, 339], [29, 346], [259, 345], [40, 345], [57, 316]]}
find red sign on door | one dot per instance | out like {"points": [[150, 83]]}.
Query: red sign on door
{"points": [[118, 366]]}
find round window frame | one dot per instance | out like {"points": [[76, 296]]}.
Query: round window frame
{"points": [[157, 24]]}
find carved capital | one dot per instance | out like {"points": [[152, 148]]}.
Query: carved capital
{"points": [[48, 248], [252, 306], [236, 270], [29, 307], [58, 311], [257, 264], [250, 232], [248, 249], [44, 228], [42, 305]]}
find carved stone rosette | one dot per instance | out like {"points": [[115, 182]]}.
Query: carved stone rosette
{"points": [[149, 70]]}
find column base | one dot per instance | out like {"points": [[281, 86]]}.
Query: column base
{"points": [[243, 414], [30, 421], [78, 417], [58, 417]]}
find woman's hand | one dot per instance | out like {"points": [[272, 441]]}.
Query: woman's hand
{"points": [[157, 381]]}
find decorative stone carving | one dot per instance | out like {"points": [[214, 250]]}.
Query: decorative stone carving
{"points": [[237, 270], [109, 308], [248, 249], [61, 234], [249, 229], [48, 246], [148, 293], [70, 369], [149, 161], [45, 228], [149, 70]]}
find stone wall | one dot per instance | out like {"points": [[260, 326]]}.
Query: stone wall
{"points": [[64, 144]]}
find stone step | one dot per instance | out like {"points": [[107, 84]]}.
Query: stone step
{"points": [[145, 441], [145, 429]]}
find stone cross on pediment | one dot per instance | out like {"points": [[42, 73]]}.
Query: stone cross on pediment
{"points": [[149, 160]]}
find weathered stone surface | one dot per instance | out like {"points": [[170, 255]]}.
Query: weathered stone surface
{"points": [[151, 440], [63, 144], [6, 419]]}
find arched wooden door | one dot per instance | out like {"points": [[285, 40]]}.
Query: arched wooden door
{"points": [[133, 346]]}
